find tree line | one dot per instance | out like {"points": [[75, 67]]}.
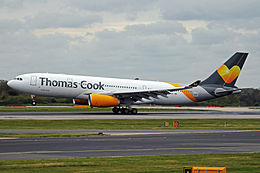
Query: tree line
{"points": [[8, 97]]}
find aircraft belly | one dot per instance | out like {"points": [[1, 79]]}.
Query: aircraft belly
{"points": [[172, 100]]}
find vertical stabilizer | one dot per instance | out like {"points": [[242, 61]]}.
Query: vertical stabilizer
{"points": [[228, 73]]}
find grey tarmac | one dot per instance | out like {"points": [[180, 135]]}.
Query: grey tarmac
{"points": [[141, 115], [182, 142]]}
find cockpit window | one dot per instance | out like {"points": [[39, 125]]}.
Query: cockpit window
{"points": [[18, 78]]}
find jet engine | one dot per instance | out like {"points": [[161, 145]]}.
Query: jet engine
{"points": [[101, 100]]}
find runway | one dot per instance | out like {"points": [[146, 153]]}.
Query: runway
{"points": [[141, 115], [168, 142], [128, 142]]}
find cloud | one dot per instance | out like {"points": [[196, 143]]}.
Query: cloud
{"points": [[212, 36], [159, 28], [134, 51], [11, 4], [112, 6], [209, 10], [62, 20], [10, 26], [129, 39], [244, 25]]}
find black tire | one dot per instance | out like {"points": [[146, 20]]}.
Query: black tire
{"points": [[115, 110], [34, 103], [134, 111], [125, 111]]}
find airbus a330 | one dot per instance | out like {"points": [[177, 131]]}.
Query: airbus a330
{"points": [[121, 94]]}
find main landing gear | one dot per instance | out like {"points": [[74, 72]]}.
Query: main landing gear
{"points": [[118, 110]]}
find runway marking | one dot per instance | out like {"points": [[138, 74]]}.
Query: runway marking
{"points": [[234, 114], [140, 133], [122, 150]]}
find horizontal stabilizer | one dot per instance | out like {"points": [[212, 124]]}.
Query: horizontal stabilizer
{"points": [[224, 91]]}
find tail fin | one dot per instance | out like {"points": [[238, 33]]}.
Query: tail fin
{"points": [[228, 73]]}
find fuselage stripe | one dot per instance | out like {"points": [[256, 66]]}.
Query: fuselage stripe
{"points": [[185, 92]]}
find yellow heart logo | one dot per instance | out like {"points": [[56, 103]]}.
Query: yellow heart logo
{"points": [[228, 75]]}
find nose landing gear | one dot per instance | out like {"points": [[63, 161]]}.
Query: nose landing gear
{"points": [[34, 103], [132, 111]]}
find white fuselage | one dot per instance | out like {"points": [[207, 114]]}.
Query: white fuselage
{"points": [[79, 87]]}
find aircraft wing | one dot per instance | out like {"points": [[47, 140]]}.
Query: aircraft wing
{"points": [[147, 94]]}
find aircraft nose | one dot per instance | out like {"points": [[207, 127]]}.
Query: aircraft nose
{"points": [[10, 83]]}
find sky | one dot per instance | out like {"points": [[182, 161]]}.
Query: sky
{"points": [[162, 40]]}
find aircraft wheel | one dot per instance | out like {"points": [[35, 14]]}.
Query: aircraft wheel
{"points": [[134, 111], [115, 110], [125, 111], [34, 103]]}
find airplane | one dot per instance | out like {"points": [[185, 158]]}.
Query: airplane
{"points": [[121, 94]]}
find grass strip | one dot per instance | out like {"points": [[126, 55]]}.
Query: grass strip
{"points": [[235, 163], [72, 109], [200, 124], [40, 135], [49, 109]]}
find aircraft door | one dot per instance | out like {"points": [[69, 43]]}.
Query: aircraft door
{"points": [[33, 81]]}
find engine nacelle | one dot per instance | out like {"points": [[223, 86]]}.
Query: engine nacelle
{"points": [[101, 100]]}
